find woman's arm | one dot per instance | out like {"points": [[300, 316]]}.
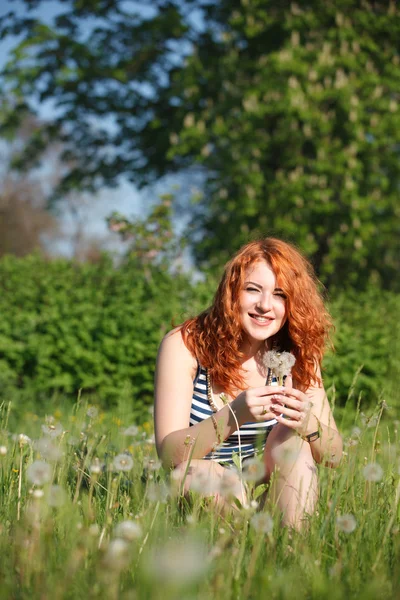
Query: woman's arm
{"points": [[175, 440], [307, 413]]}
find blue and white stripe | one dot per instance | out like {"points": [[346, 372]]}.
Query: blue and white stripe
{"points": [[252, 435]]}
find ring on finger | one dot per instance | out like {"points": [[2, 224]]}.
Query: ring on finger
{"points": [[264, 410]]}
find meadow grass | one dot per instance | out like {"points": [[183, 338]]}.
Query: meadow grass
{"points": [[87, 512]]}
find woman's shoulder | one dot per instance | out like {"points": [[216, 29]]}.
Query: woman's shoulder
{"points": [[174, 346]]}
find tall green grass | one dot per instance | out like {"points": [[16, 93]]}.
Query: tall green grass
{"points": [[90, 529]]}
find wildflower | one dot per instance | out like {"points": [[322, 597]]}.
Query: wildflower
{"points": [[373, 472], [201, 483], [280, 363], [158, 492], [346, 523], [48, 450], [230, 485], [52, 429], [56, 496], [253, 470], [3, 450], [22, 439], [94, 530], [356, 432], [262, 522], [131, 430], [128, 531], [39, 472], [151, 464], [123, 462], [92, 412], [179, 562], [96, 467], [37, 494], [117, 555]]}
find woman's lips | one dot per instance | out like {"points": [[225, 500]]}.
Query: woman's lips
{"points": [[261, 320]]}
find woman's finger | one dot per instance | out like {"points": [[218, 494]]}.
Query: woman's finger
{"points": [[288, 412]]}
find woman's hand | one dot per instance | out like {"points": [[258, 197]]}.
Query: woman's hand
{"points": [[255, 404], [293, 409]]}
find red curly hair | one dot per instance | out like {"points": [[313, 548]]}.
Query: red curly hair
{"points": [[215, 336]]}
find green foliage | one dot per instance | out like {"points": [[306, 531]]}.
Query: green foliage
{"points": [[67, 326], [70, 326], [289, 109], [61, 534]]}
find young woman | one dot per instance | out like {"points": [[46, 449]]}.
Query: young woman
{"points": [[215, 395]]}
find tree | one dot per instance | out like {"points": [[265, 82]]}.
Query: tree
{"points": [[291, 111]]}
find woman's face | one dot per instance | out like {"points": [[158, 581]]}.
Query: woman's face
{"points": [[262, 303]]}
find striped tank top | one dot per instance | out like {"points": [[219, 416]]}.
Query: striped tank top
{"points": [[252, 435]]}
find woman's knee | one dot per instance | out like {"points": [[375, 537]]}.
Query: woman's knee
{"points": [[285, 449]]}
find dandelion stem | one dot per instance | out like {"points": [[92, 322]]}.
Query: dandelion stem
{"points": [[19, 486]]}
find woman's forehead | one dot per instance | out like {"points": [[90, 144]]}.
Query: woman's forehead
{"points": [[261, 270]]}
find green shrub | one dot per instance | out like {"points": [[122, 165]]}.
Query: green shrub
{"points": [[67, 326]]}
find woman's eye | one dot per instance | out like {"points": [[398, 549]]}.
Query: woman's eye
{"points": [[251, 289], [281, 294]]}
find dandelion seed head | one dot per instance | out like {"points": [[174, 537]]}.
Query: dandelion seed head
{"points": [[22, 439], [38, 494], [346, 523], [280, 363], [253, 470], [132, 430], [92, 412], [56, 496], [3, 450], [262, 522], [230, 485], [47, 449], [117, 555], [94, 530], [151, 464], [52, 428], [373, 472], [96, 467], [39, 472], [158, 492], [128, 531], [179, 562], [202, 484], [123, 462]]}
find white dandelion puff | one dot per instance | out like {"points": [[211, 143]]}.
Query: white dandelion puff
{"points": [[285, 455], [373, 472], [128, 531], [132, 430], [22, 439], [39, 472], [230, 485], [123, 462], [151, 464], [92, 412], [117, 555], [253, 470], [346, 523], [52, 429], [38, 494], [280, 363], [262, 522], [47, 449], [56, 496], [94, 530], [96, 467], [3, 450], [179, 562], [158, 492], [201, 483]]}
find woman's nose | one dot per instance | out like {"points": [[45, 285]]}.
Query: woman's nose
{"points": [[265, 303]]}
